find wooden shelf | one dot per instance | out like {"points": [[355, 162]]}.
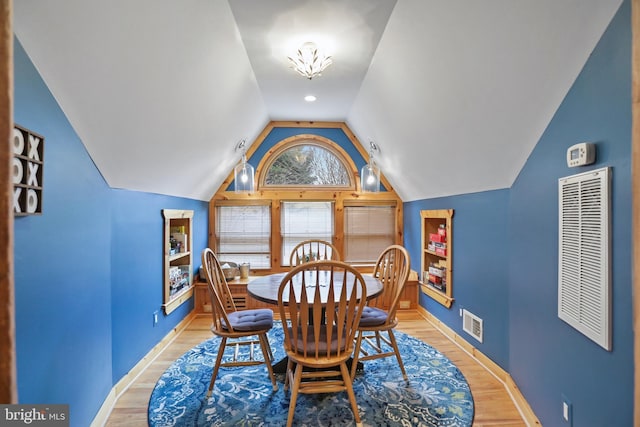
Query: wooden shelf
{"points": [[178, 267], [436, 294], [435, 254], [178, 256], [437, 232], [177, 299]]}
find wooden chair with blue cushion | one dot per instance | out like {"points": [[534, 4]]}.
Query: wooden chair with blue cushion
{"points": [[392, 268], [313, 250], [233, 325], [320, 304]]}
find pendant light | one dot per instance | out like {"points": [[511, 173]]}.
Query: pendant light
{"points": [[243, 172], [370, 173]]}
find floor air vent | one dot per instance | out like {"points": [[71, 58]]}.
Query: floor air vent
{"points": [[472, 325]]}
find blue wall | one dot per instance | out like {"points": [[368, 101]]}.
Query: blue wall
{"points": [[506, 245], [479, 275], [137, 273], [88, 271], [597, 382]]}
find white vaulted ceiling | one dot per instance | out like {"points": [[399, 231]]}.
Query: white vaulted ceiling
{"points": [[152, 86]]}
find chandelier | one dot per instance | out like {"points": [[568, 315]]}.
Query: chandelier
{"points": [[308, 61]]}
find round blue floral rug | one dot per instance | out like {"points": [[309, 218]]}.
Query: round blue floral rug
{"points": [[437, 393]]}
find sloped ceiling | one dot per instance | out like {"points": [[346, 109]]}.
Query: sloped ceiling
{"points": [[455, 93]]}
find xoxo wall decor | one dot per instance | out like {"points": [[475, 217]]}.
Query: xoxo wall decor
{"points": [[28, 162]]}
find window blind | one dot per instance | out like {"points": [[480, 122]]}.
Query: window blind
{"points": [[368, 230], [243, 234], [302, 221]]}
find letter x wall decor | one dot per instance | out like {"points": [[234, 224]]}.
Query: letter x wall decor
{"points": [[28, 161]]}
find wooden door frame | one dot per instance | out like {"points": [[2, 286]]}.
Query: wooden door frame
{"points": [[8, 388], [635, 196]]}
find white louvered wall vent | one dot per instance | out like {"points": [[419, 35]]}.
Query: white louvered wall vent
{"points": [[472, 324], [584, 290]]}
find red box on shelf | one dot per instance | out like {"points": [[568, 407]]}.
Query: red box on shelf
{"points": [[441, 251], [439, 238], [436, 271], [435, 279]]}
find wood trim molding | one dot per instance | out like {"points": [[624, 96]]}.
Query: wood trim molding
{"points": [[306, 139], [302, 124], [504, 377], [8, 381], [635, 194], [339, 196], [126, 381]]}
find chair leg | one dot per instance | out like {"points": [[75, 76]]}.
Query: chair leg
{"points": [[294, 393], [264, 344], [287, 374], [346, 378], [356, 354], [392, 337], [378, 339], [269, 348], [216, 367]]}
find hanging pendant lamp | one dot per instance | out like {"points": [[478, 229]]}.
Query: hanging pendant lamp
{"points": [[243, 172], [370, 173]]}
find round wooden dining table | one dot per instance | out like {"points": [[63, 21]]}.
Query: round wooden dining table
{"points": [[265, 288]]}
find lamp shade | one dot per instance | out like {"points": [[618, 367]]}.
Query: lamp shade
{"points": [[244, 177], [370, 178]]}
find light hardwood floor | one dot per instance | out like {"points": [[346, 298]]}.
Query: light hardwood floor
{"points": [[493, 405]]}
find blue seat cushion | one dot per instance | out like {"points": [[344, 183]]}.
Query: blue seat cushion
{"points": [[372, 316], [324, 347], [251, 320]]}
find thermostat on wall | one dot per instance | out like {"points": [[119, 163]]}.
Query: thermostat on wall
{"points": [[581, 154]]}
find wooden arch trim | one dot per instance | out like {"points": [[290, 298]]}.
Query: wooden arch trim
{"points": [[304, 124], [307, 139]]}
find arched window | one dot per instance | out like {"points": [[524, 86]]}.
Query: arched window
{"points": [[307, 161]]}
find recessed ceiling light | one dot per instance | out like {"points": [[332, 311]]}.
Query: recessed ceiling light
{"points": [[309, 98]]}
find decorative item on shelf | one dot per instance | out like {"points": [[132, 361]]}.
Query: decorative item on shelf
{"points": [[244, 270], [230, 269], [178, 278], [243, 172], [436, 276], [309, 61], [28, 163], [370, 173]]}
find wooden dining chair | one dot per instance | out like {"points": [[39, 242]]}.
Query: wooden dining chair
{"points": [[379, 316], [313, 250], [233, 326], [320, 304]]}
